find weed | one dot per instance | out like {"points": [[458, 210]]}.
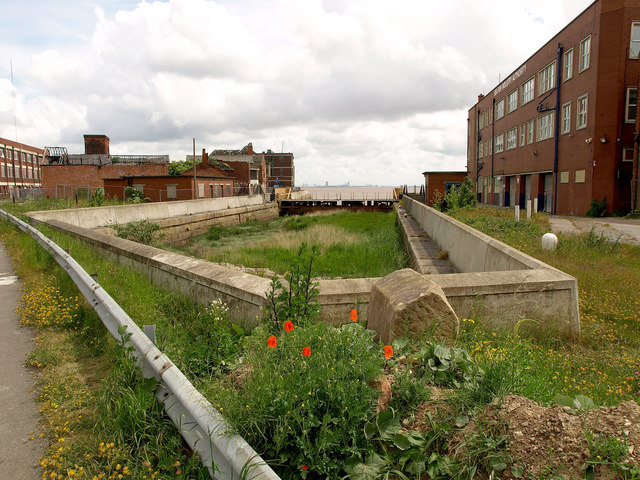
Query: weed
{"points": [[141, 231], [298, 301]]}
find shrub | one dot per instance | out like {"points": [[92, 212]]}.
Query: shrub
{"points": [[141, 231], [598, 209], [133, 194], [96, 198]]}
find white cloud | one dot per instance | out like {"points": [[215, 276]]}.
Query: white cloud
{"points": [[365, 91]]}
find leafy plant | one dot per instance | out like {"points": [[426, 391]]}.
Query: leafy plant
{"points": [[460, 196], [141, 231], [133, 194], [96, 199], [449, 366]]}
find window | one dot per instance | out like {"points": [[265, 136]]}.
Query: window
{"points": [[512, 136], [545, 126], [527, 90], [499, 143], [500, 109], [568, 64], [564, 177], [627, 154], [631, 105], [480, 121], [512, 101], [634, 46], [24, 157], [530, 132], [489, 147], [581, 119], [1, 152], [172, 191], [547, 78], [3, 172], [585, 54], [566, 117], [201, 190], [523, 134], [480, 149], [580, 174]]}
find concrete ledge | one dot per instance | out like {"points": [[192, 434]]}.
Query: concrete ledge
{"points": [[503, 286], [100, 216]]}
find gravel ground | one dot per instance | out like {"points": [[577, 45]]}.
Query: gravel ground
{"points": [[626, 230]]}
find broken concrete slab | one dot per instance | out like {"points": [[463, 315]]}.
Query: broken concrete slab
{"points": [[407, 302]]}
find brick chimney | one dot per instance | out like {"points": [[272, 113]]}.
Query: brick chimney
{"points": [[480, 97], [96, 145], [249, 148]]}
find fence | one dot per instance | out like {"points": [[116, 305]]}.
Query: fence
{"points": [[226, 455]]}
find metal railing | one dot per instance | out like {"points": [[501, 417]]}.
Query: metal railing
{"points": [[226, 455]]}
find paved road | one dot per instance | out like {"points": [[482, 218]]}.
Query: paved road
{"points": [[19, 414], [626, 230]]}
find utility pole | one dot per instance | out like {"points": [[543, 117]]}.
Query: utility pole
{"points": [[195, 184]]}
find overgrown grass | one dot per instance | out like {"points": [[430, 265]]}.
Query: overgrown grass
{"points": [[351, 244], [604, 363], [102, 419]]}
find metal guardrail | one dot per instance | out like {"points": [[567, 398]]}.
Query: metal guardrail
{"points": [[226, 455]]}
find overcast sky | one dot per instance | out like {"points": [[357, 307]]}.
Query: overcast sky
{"points": [[360, 91]]}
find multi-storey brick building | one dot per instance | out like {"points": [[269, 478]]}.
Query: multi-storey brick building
{"points": [[559, 130], [19, 168], [281, 169]]}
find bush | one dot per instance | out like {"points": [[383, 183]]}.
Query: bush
{"points": [[97, 197], [598, 209], [141, 231]]}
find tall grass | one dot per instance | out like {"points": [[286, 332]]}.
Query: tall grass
{"points": [[604, 363], [351, 244]]}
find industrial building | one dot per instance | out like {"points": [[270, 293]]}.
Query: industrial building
{"points": [[19, 169], [560, 130]]}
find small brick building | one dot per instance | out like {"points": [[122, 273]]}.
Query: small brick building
{"points": [[440, 182], [70, 175]]}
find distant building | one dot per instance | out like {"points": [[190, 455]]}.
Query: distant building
{"points": [[19, 168], [67, 175], [440, 182], [267, 169], [281, 169], [559, 130]]}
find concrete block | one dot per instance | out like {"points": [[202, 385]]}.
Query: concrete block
{"points": [[406, 302]]}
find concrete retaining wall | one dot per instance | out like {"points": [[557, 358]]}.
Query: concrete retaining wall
{"points": [[512, 286], [100, 216], [501, 284]]}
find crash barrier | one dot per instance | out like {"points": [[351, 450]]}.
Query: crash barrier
{"points": [[226, 455]]}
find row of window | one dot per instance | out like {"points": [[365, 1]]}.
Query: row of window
{"points": [[15, 171], [10, 154], [546, 82], [544, 129]]}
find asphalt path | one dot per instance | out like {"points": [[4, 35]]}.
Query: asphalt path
{"points": [[624, 230], [19, 414]]}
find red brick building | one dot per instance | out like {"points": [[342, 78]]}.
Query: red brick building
{"points": [[281, 169], [69, 175], [440, 182], [19, 168], [559, 130]]}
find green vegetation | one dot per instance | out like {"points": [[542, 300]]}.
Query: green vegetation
{"points": [[604, 363], [310, 397], [141, 231], [101, 418], [349, 245]]}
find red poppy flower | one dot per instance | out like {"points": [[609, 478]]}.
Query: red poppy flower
{"points": [[272, 342], [288, 326], [388, 351], [306, 352], [305, 467], [354, 315]]}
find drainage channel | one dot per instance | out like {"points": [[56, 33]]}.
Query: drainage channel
{"points": [[226, 455]]}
